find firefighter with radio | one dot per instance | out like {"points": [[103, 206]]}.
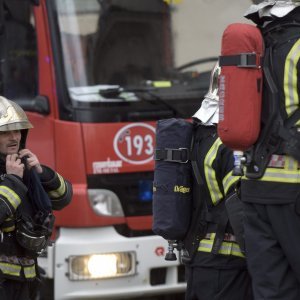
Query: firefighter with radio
{"points": [[270, 189], [217, 270], [28, 193]]}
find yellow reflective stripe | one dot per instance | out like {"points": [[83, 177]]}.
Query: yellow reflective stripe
{"points": [[8, 229], [173, 1], [10, 269], [162, 84], [228, 181], [227, 248], [60, 191], [8, 225], [210, 174], [29, 272], [281, 175], [11, 196], [291, 79]]}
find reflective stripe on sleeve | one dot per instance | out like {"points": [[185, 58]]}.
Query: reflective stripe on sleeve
{"points": [[11, 196], [8, 229], [210, 174], [60, 191], [229, 180]]}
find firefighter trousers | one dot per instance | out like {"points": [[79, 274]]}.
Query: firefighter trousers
{"points": [[205, 283], [272, 237], [18, 290]]}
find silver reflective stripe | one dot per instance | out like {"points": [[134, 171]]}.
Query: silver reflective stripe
{"points": [[210, 174], [11, 196]]}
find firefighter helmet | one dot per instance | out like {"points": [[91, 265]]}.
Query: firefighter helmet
{"points": [[12, 116], [208, 113], [269, 10], [32, 235]]}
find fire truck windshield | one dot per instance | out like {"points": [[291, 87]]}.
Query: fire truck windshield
{"points": [[133, 44]]}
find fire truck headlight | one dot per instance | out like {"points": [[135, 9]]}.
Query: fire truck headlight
{"points": [[98, 266], [105, 203]]}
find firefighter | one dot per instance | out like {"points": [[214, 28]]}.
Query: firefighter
{"points": [[27, 192], [218, 268], [272, 201]]}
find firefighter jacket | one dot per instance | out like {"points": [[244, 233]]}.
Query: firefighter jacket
{"points": [[16, 262], [215, 164], [280, 182]]}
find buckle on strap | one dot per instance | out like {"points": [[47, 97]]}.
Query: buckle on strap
{"points": [[242, 60], [180, 155]]}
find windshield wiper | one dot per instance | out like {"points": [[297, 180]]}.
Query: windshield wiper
{"points": [[197, 62], [116, 92]]}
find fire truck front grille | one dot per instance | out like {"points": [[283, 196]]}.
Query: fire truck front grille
{"points": [[133, 189], [158, 276]]}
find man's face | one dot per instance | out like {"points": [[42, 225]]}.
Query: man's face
{"points": [[10, 141]]}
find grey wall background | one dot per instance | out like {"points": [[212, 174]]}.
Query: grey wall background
{"points": [[210, 18]]}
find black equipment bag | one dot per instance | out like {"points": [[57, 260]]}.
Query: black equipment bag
{"points": [[172, 186]]}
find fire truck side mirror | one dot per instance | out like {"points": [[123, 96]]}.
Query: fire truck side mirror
{"points": [[39, 104]]}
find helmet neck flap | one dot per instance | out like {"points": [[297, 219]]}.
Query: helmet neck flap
{"points": [[208, 113]]}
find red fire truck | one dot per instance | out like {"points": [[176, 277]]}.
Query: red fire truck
{"points": [[94, 77]]}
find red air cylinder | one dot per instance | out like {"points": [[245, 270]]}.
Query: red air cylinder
{"points": [[240, 86]]}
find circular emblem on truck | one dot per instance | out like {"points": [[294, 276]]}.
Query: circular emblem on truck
{"points": [[134, 143]]}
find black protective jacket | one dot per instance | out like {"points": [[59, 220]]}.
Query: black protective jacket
{"points": [[280, 182], [15, 261], [215, 164]]}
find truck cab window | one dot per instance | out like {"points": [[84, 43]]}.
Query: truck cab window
{"points": [[123, 60], [19, 57], [105, 42]]}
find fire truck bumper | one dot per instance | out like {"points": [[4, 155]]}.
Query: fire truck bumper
{"points": [[99, 263]]}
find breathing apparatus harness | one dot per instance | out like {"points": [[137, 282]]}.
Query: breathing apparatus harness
{"points": [[279, 134]]}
